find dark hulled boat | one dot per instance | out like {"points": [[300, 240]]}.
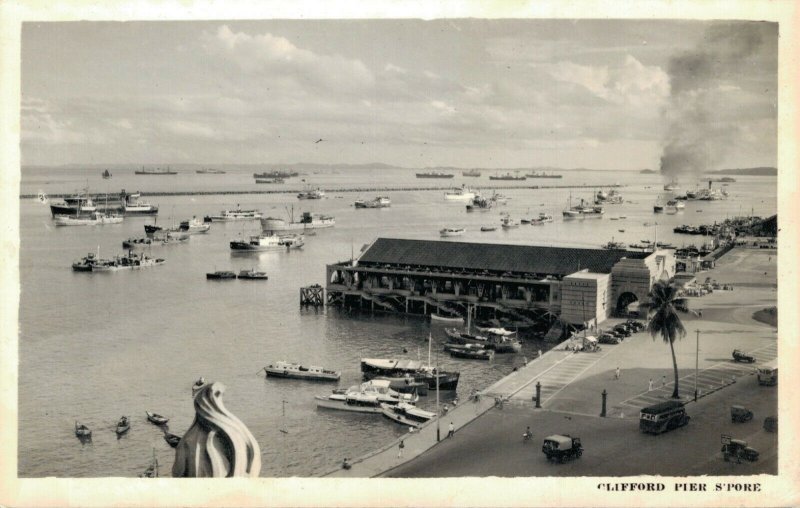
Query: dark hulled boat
{"points": [[402, 369]]}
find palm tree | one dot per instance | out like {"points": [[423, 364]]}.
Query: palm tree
{"points": [[663, 318]]}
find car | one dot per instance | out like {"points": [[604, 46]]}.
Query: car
{"points": [[561, 448], [622, 331], [737, 449], [616, 334], [607, 338], [740, 414], [741, 356]]}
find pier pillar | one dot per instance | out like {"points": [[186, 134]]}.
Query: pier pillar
{"points": [[605, 396], [538, 394], [406, 305]]}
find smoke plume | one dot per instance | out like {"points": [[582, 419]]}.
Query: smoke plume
{"points": [[697, 132]]}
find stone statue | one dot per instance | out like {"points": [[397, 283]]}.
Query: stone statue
{"points": [[217, 444]]}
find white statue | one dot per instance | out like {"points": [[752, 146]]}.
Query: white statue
{"points": [[217, 444]]}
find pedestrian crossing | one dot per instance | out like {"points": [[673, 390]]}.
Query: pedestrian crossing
{"points": [[708, 380], [557, 377]]}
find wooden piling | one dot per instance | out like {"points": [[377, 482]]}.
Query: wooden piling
{"points": [[313, 296]]}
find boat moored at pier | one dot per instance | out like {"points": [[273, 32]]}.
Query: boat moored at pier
{"points": [[389, 369], [296, 371], [407, 414]]}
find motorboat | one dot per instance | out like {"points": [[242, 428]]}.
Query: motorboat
{"points": [[676, 204], [355, 402], [94, 219], [221, 275], [508, 223], [133, 205], [296, 371], [378, 202], [156, 418], [194, 226], [311, 194], [497, 339], [471, 173], [123, 426], [488, 228], [445, 232], [234, 215], [82, 431], [156, 171], [612, 245], [401, 369], [381, 389], [480, 204], [407, 414], [471, 353], [460, 194], [434, 174], [307, 220], [86, 263], [406, 385], [252, 274], [545, 217], [268, 242]]}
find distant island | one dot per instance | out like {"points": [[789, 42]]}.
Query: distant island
{"points": [[648, 172], [759, 171]]}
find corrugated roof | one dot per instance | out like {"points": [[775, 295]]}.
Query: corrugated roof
{"points": [[493, 257]]}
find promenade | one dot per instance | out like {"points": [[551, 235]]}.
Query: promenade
{"points": [[571, 387]]}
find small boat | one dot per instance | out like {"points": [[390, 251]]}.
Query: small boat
{"points": [[407, 414], [480, 204], [434, 174], [297, 371], [379, 202], [658, 208], [82, 431], [545, 217], [156, 418], [156, 171], [612, 245], [193, 226], [392, 370], [671, 186], [86, 263], [354, 402], [123, 426], [447, 319], [252, 275], [221, 275], [268, 242], [471, 353], [508, 223], [233, 215], [488, 228], [379, 388], [445, 232], [106, 174], [676, 203], [311, 194], [406, 385], [499, 199], [471, 173], [95, 219], [132, 205], [621, 230], [172, 439], [210, 171], [461, 194]]}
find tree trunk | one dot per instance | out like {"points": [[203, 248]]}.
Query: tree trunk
{"points": [[675, 370]]}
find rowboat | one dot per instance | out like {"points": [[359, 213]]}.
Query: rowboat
{"points": [[82, 431], [471, 353], [172, 439], [123, 426], [156, 418]]}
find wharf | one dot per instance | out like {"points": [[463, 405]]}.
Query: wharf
{"points": [[571, 386], [342, 190]]}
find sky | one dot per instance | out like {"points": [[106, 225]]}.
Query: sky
{"points": [[468, 93]]}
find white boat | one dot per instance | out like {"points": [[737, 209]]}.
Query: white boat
{"points": [[132, 205], [672, 186], [234, 215], [509, 223], [379, 202], [297, 371], [545, 217], [446, 319], [462, 194], [311, 194], [307, 221], [407, 414], [268, 242], [582, 211], [94, 219], [353, 402], [379, 388], [445, 232], [194, 226]]}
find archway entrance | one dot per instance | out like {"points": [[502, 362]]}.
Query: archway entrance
{"points": [[627, 304]]}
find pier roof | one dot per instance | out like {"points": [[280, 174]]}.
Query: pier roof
{"points": [[558, 261]]}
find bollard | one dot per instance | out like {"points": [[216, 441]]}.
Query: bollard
{"points": [[603, 411], [538, 394]]}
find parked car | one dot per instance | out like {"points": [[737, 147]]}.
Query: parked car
{"points": [[562, 447], [741, 356], [607, 338], [740, 414], [737, 449], [622, 331], [637, 325]]}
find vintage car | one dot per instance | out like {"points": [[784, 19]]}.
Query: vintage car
{"points": [[663, 417], [562, 447], [737, 449], [771, 424], [740, 414], [607, 338], [741, 356], [623, 330]]}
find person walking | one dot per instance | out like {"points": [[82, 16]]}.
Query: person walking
{"points": [[616, 374], [663, 381], [451, 429], [400, 449], [650, 385]]}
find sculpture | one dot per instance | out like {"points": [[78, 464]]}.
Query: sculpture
{"points": [[217, 444]]}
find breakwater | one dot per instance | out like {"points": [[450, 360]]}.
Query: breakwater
{"points": [[340, 190]]}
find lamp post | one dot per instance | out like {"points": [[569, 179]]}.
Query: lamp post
{"points": [[696, 363]]}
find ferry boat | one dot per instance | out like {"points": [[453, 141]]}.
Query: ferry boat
{"points": [[389, 369], [515, 177], [311, 194], [279, 174], [379, 202], [156, 171], [543, 175], [268, 242], [583, 211], [252, 274], [233, 215], [307, 221], [461, 194], [407, 414], [94, 219], [296, 371], [480, 204], [471, 173], [210, 171], [447, 232], [434, 174], [132, 205]]}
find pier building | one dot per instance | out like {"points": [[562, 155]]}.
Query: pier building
{"points": [[524, 283]]}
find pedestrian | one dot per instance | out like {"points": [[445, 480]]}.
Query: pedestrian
{"points": [[663, 381], [540, 353], [400, 449], [445, 409], [700, 313], [451, 429], [616, 373], [455, 401], [524, 361], [411, 430], [345, 464], [650, 385]]}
